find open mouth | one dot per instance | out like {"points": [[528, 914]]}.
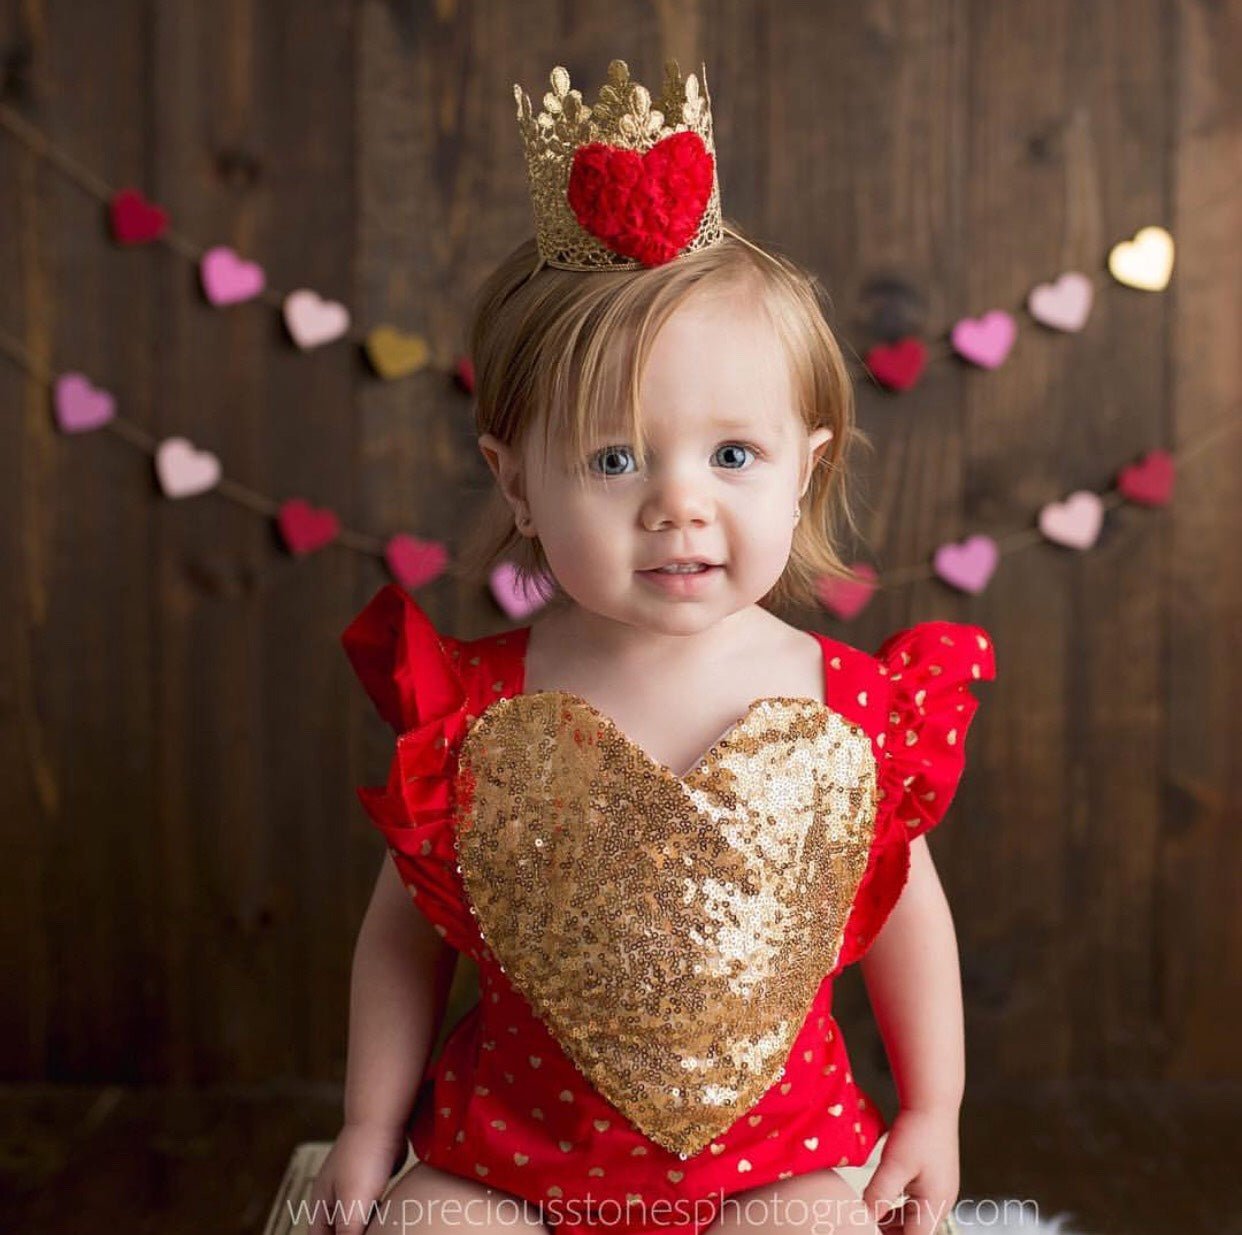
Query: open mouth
{"points": [[683, 568]]}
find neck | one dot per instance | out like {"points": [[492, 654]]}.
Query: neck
{"points": [[641, 648]]}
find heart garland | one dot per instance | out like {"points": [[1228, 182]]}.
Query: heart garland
{"points": [[183, 470], [646, 207], [676, 173]]}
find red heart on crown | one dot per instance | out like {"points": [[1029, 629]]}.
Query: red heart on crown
{"points": [[646, 207]]}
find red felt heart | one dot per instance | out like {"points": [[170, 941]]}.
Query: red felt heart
{"points": [[646, 207], [1150, 481], [464, 374], [897, 365], [134, 219], [304, 528]]}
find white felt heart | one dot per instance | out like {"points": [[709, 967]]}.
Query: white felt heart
{"points": [[183, 470]]}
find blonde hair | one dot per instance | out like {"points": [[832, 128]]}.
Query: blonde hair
{"points": [[560, 348]]}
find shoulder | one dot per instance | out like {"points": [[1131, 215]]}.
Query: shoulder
{"points": [[406, 665], [490, 667]]}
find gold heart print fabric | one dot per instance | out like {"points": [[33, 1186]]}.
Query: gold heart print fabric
{"points": [[671, 932]]}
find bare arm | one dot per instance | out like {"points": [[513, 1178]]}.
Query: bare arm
{"points": [[913, 981], [401, 977]]}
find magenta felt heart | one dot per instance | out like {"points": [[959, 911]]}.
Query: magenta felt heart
{"points": [[79, 406], [413, 562], [968, 565], [847, 598], [227, 279], [516, 599], [985, 340], [305, 528]]}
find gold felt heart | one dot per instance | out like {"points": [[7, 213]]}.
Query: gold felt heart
{"points": [[670, 931], [394, 354]]}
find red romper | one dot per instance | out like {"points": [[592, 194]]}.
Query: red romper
{"points": [[510, 1104]]}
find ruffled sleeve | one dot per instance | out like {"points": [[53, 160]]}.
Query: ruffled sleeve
{"points": [[921, 751], [401, 661]]}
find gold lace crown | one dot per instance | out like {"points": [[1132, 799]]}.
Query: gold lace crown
{"points": [[601, 200]]}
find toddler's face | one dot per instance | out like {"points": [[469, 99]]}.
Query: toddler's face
{"points": [[727, 459]]}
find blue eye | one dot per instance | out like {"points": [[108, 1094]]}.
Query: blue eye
{"points": [[600, 461], [609, 452], [736, 446]]}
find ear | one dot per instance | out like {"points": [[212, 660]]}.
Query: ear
{"points": [[506, 467], [817, 443]]}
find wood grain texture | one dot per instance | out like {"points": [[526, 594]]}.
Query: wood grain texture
{"points": [[180, 735]]}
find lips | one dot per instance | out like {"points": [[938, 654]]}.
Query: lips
{"points": [[684, 561]]}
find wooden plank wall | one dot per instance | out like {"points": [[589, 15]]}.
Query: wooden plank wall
{"points": [[179, 732]]}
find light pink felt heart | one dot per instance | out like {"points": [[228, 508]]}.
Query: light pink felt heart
{"points": [[1075, 522], [227, 279], [969, 564], [184, 471], [313, 321], [1063, 305], [847, 598], [985, 340], [79, 406], [516, 600], [413, 562], [305, 528]]}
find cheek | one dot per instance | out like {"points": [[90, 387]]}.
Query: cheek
{"points": [[582, 522]]}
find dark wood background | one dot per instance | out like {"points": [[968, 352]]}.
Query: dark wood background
{"points": [[180, 734]]}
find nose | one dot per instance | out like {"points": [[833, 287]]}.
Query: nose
{"points": [[676, 500]]}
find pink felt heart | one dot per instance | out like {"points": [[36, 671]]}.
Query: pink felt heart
{"points": [[79, 406], [985, 340], [1063, 305], [313, 321], [184, 471], [227, 279], [413, 562], [516, 599], [1075, 522], [847, 598], [305, 528], [969, 564], [1148, 482]]}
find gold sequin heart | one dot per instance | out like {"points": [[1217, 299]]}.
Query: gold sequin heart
{"points": [[670, 931]]}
